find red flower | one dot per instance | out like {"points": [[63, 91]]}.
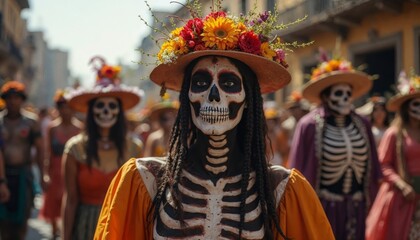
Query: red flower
{"points": [[192, 31], [250, 43], [216, 15], [199, 47]]}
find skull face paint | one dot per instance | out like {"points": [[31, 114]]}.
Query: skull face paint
{"points": [[340, 99], [106, 111], [414, 108], [217, 95]]}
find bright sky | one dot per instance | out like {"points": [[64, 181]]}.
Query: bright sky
{"points": [[85, 28]]}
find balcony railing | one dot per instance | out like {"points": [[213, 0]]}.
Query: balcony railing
{"points": [[319, 10]]}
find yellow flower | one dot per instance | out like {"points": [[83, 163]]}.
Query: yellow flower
{"points": [[220, 32], [172, 48], [175, 33], [267, 51], [334, 64], [241, 27]]}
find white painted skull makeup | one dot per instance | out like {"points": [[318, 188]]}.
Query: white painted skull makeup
{"points": [[217, 95], [340, 99], [106, 111], [414, 108]]}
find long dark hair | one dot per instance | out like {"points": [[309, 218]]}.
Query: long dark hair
{"points": [[253, 130], [116, 135]]}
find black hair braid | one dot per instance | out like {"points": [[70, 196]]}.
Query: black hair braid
{"points": [[247, 153]]}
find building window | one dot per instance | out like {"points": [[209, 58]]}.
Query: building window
{"points": [[244, 6], [417, 49], [270, 5]]}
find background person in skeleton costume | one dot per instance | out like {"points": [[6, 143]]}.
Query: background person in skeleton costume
{"points": [[395, 214], [334, 147], [215, 183], [92, 158]]}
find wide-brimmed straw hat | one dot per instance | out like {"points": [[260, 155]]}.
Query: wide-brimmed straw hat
{"points": [[334, 72], [409, 88], [246, 38], [167, 105], [108, 84]]}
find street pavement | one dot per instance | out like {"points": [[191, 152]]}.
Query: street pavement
{"points": [[38, 229]]}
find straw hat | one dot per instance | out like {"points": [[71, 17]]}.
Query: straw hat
{"points": [[161, 107], [13, 87], [334, 72], [246, 38], [108, 84], [408, 88]]}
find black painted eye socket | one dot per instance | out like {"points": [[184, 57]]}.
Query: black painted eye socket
{"points": [[416, 104], [230, 83], [339, 93], [113, 105], [200, 81], [99, 105], [349, 93]]}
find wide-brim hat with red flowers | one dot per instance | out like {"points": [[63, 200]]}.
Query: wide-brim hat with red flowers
{"points": [[108, 84], [332, 72], [13, 87], [408, 88], [246, 38]]}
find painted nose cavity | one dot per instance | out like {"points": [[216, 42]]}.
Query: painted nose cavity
{"points": [[214, 94]]}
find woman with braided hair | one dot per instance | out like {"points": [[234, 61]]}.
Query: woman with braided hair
{"points": [[215, 182]]}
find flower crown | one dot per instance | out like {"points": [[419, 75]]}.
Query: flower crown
{"points": [[13, 86], [106, 74], [408, 85], [331, 66], [251, 33]]}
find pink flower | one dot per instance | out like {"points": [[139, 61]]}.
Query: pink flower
{"points": [[250, 43], [280, 54]]}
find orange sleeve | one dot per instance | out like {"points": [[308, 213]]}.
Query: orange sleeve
{"points": [[125, 208], [300, 211]]}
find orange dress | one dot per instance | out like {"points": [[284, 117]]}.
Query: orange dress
{"points": [[125, 209]]}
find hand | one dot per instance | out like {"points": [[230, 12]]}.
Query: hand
{"points": [[4, 193], [406, 190], [45, 182]]}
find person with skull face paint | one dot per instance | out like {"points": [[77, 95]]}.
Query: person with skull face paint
{"points": [[215, 183], [92, 158], [395, 214], [335, 149]]}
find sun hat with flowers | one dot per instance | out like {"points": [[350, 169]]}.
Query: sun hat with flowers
{"points": [[13, 87], [335, 71], [107, 84], [408, 88], [247, 38]]}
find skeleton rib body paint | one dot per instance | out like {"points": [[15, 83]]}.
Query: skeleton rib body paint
{"points": [[106, 111], [217, 101]]}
